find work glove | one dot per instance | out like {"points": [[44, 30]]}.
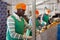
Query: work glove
{"points": [[28, 37]]}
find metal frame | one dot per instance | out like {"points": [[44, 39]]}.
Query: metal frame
{"points": [[33, 20]]}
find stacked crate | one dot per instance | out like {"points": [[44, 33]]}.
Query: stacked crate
{"points": [[3, 18]]}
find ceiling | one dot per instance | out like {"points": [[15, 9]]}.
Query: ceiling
{"points": [[29, 2], [25, 1], [40, 4]]}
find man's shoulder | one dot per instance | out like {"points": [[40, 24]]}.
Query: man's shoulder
{"points": [[10, 17]]}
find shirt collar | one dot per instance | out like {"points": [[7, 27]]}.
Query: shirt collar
{"points": [[17, 17]]}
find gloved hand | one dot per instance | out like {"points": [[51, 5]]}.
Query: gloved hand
{"points": [[43, 23], [28, 37], [37, 32]]}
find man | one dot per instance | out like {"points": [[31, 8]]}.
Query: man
{"points": [[29, 32], [46, 16], [16, 24], [37, 22]]}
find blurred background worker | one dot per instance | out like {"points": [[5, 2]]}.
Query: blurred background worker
{"points": [[37, 22], [16, 24], [29, 31], [46, 16]]}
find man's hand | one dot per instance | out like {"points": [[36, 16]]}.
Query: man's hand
{"points": [[28, 37]]}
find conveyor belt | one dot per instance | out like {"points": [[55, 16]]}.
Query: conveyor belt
{"points": [[49, 34]]}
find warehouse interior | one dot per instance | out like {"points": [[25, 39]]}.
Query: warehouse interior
{"points": [[41, 18]]}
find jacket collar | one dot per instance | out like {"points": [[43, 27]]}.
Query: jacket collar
{"points": [[17, 17]]}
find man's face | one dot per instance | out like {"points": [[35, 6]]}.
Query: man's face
{"points": [[47, 12], [20, 12], [37, 15]]}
